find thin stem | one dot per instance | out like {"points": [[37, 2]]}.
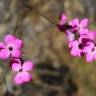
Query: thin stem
{"points": [[6, 71], [36, 10], [24, 16], [4, 75], [5, 81]]}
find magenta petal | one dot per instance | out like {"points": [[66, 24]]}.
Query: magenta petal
{"points": [[18, 43], [9, 39], [25, 76], [2, 45], [84, 23], [89, 57], [88, 48], [83, 31], [75, 43], [70, 36], [74, 51], [16, 53], [63, 19], [27, 66], [4, 54], [16, 67], [74, 22], [71, 44], [92, 35], [95, 54], [18, 79]]}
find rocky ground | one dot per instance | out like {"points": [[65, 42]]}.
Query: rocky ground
{"points": [[56, 72]]}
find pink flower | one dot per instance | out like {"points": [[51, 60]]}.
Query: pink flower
{"points": [[72, 36], [90, 52], [63, 19], [10, 47], [77, 30], [92, 35], [79, 25], [76, 48], [23, 75], [63, 24]]}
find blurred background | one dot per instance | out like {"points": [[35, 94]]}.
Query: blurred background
{"points": [[56, 73]]}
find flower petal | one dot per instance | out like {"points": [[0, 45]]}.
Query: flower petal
{"points": [[18, 43], [89, 57], [92, 35], [70, 36], [94, 53], [2, 45], [16, 67], [18, 79], [84, 23], [74, 22], [4, 54], [89, 47], [27, 66], [83, 31], [70, 45], [16, 60], [16, 53], [9, 39], [63, 19], [74, 51], [25, 76]]}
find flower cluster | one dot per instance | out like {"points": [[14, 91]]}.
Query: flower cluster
{"points": [[11, 49], [81, 40]]}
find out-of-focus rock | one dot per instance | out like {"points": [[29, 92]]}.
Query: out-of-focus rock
{"points": [[35, 21], [80, 8]]}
